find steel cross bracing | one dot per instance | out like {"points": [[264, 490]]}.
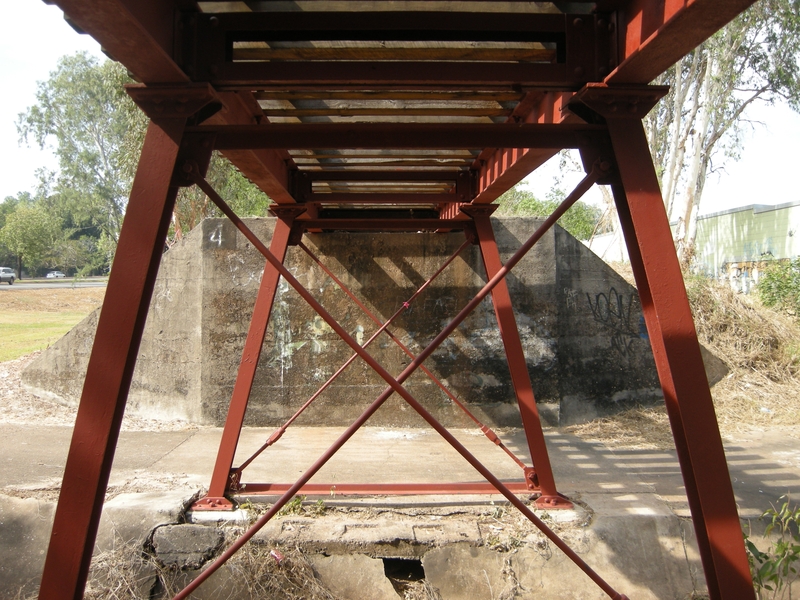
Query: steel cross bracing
{"points": [[395, 384], [215, 497], [381, 119]]}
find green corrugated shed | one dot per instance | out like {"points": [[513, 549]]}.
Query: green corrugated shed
{"points": [[747, 235]]}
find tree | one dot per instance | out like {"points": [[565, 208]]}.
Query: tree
{"points": [[700, 122], [96, 131], [30, 232], [580, 220]]}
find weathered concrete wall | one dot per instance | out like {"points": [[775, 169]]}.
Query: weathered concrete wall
{"points": [[580, 325]]}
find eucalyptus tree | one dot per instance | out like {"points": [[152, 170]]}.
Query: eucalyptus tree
{"points": [[702, 121], [96, 131], [83, 113]]}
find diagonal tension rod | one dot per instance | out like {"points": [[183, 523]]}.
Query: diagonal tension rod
{"points": [[487, 431], [395, 385], [278, 433]]}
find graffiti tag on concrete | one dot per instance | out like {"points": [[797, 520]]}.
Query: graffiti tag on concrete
{"points": [[614, 311]]}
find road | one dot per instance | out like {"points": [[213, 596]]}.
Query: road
{"points": [[43, 284]]}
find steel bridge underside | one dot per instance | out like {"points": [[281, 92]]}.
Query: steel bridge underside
{"points": [[395, 116]]}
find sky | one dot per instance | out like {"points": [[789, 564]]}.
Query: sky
{"points": [[763, 175], [30, 49]]}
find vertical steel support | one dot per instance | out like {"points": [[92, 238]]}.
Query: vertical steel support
{"points": [[220, 479], [520, 378], [111, 364], [679, 364]]}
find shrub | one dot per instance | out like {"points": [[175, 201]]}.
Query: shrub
{"points": [[779, 286]]}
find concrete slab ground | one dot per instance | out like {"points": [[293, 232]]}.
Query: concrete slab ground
{"points": [[629, 521]]}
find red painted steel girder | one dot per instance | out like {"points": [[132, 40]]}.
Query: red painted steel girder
{"points": [[111, 365], [251, 352], [500, 170], [680, 365], [141, 34], [656, 33]]}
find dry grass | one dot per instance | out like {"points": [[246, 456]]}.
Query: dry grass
{"points": [[760, 347], [129, 574], [66, 299], [640, 428]]}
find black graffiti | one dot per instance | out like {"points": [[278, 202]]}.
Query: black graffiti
{"points": [[622, 343], [614, 311]]}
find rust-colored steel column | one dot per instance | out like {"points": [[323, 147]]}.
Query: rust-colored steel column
{"points": [[220, 479], [679, 362], [517, 365], [108, 377]]}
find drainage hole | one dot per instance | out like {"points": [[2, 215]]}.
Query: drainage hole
{"points": [[404, 573]]}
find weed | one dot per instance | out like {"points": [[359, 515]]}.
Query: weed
{"points": [[775, 570], [318, 509], [293, 507]]}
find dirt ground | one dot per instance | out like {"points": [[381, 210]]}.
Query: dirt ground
{"points": [[18, 406]]}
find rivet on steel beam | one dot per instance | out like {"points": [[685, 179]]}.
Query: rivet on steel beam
{"points": [[578, 22], [578, 71], [601, 23], [214, 21]]}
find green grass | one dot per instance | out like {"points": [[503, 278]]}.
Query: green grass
{"points": [[24, 332]]}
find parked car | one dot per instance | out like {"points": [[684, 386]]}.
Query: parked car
{"points": [[7, 274], [54, 275]]}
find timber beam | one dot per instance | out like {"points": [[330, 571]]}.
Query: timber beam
{"points": [[399, 135]]}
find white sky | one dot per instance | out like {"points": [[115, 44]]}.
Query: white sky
{"points": [[763, 175], [29, 50], [31, 47]]}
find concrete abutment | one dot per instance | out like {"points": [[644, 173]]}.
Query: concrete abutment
{"points": [[580, 324]]}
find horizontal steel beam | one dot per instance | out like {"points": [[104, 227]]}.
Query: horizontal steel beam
{"points": [[381, 175], [400, 135], [580, 45], [382, 489], [420, 198], [385, 224], [385, 25]]}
